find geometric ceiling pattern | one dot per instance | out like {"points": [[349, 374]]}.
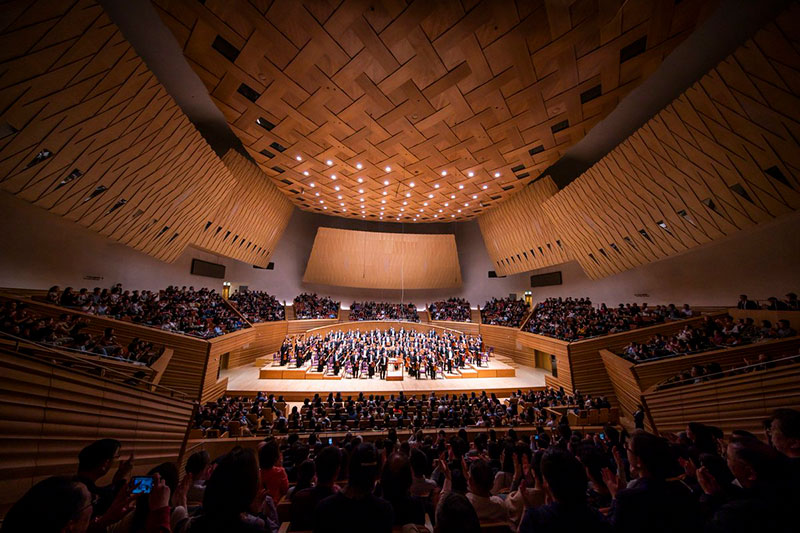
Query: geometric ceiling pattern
{"points": [[722, 157], [88, 133], [421, 111]]}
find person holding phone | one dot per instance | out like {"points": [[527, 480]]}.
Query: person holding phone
{"points": [[94, 462]]}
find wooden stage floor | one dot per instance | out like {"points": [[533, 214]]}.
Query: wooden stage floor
{"points": [[245, 381]]}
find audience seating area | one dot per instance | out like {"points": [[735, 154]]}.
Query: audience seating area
{"points": [[313, 306], [258, 306], [383, 311], [197, 312], [504, 312], [712, 334], [573, 319], [455, 309]]}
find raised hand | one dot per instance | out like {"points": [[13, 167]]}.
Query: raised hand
{"points": [[707, 481], [613, 481], [159, 495]]}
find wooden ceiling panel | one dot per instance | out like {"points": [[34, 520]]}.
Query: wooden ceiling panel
{"points": [[465, 103], [377, 260]]}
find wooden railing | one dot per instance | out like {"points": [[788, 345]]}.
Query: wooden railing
{"points": [[49, 412], [740, 401]]}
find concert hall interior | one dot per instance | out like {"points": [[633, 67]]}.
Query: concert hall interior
{"points": [[399, 265]]}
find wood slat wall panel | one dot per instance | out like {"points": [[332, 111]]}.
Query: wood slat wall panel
{"points": [[124, 159], [253, 210], [518, 235], [378, 260], [720, 158], [737, 402], [473, 89], [550, 346], [48, 413], [268, 338], [301, 326]]}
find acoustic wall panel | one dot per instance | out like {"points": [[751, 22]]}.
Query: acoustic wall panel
{"points": [[87, 132], [383, 260], [722, 157], [518, 234], [251, 217]]}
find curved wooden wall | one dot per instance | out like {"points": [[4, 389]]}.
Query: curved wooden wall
{"points": [[737, 402], [125, 161], [518, 235], [720, 158], [379, 260], [48, 413], [252, 211]]}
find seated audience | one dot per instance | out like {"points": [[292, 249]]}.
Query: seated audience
{"points": [[455, 309], [574, 319], [258, 306], [68, 332], [273, 477], [504, 312], [201, 313], [327, 462], [313, 306], [383, 311], [711, 334], [356, 509]]}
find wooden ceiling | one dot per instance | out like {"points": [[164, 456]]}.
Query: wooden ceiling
{"points": [[376, 260], [722, 157], [427, 111]]}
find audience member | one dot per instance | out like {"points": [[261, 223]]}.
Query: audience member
{"points": [[313, 306], [383, 311], [455, 309], [504, 312], [258, 306]]}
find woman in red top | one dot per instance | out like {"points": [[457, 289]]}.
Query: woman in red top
{"points": [[273, 476]]}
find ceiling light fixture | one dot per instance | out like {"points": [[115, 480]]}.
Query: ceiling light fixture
{"points": [[359, 166], [461, 186], [386, 182], [298, 158], [312, 185], [411, 184], [496, 174], [329, 163], [360, 180], [470, 174], [436, 186], [444, 173], [485, 187], [388, 169], [305, 173]]}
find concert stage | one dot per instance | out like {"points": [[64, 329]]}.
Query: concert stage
{"points": [[246, 381]]}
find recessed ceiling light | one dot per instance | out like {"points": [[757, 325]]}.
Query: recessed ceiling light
{"points": [[435, 216], [337, 188], [466, 204], [383, 201], [333, 176], [461, 186], [388, 169], [325, 207], [382, 208], [339, 197], [405, 203], [361, 200], [316, 194], [359, 166], [496, 174], [344, 209], [322, 201], [386, 182], [430, 196], [421, 210], [425, 204], [363, 216], [436, 186], [485, 187], [298, 158], [452, 216], [446, 204], [444, 173], [459, 210], [360, 191], [342, 204], [380, 218], [474, 196], [312, 185], [452, 196], [360, 180], [402, 209], [384, 193], [408, 195], [440, 210], [470, 174], [363, 211], [305, 173], [411, 184], [329, 163], [398, 218]]}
